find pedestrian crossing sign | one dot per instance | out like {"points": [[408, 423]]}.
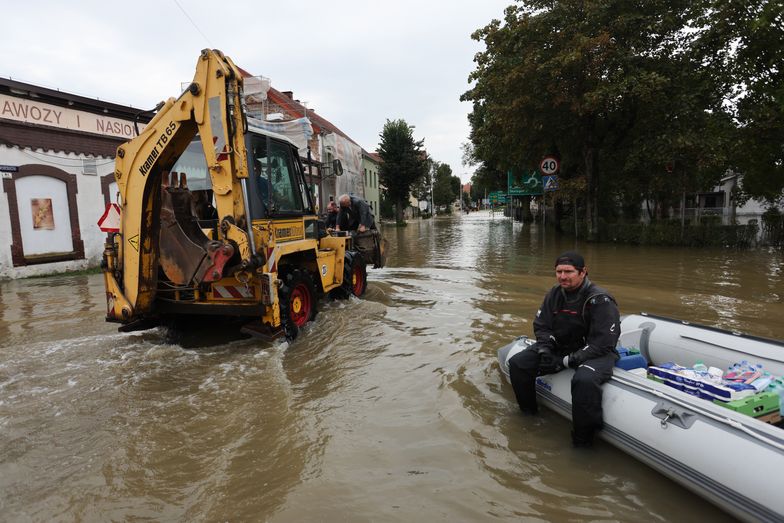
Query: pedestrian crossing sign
{"points": [[550, 182]]}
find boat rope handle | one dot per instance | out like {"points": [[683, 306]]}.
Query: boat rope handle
{"points": [[663, 422], [720, 419]]}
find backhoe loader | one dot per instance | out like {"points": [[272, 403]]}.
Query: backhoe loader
{"points": [[217, 219]]}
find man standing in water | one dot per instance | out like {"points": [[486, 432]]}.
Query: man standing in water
{"points": [[577, 326]]}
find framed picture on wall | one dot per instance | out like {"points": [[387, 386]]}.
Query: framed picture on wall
{"points": [[43, 217]]}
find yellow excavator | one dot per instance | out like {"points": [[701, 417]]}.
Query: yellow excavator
{"points": [[217, 219]]}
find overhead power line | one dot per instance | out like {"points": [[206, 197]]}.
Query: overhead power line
{"points": [[193, 23]]}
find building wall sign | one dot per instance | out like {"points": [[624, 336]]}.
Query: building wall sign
{"points": [[29, 111]]}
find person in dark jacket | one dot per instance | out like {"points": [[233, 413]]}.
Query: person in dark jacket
{"points": [[577, 326], [331, 219], [355, 214]]}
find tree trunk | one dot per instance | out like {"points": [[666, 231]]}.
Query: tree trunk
{"points": [[591, 214], [399, 212], [526, 210], [558, 213]]}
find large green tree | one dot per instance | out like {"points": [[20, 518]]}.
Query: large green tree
{"points": [[422, 188], [443, 190], [404, 163], [592, 82], [486, 180], [743, 43]]}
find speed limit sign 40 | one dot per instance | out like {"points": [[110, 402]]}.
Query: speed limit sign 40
{"points": [[549, 165]]}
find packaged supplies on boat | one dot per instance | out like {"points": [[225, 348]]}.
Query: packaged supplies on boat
{"points": [[692, 383], [777, 387], [754, 406], [745, 372]]}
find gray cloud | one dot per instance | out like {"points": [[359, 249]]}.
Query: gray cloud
{"points": [[357, 63]]}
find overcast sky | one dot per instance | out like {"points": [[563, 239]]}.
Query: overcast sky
{"points": [[357, 63]]}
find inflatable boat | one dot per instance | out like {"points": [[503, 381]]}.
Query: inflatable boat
{"points": [[730, 458]]}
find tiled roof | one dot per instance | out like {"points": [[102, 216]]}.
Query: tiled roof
{"points": [[72, 101], [295, 109], [375, 156]]}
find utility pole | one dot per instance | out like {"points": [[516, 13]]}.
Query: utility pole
{"points": [[432, 201]]}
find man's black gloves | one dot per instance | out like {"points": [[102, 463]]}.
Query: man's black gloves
{"points": [[571, 360], [549, 363]]}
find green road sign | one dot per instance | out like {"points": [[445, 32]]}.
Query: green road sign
{"points": [[525, 183], [497, 197]]}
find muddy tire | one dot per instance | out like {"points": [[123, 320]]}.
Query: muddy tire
{"points": [[354, 277], [298, 301]]}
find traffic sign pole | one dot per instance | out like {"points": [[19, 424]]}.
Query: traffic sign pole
{"points": [[548, 166]]}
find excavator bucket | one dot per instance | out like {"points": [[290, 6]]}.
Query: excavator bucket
{"points": [[373, 247], [187, 255], [180, 257]]}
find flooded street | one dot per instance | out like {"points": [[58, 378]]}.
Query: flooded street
{"points": [[389, 408]]}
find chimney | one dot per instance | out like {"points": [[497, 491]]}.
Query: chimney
{"points": [[289, 94]]}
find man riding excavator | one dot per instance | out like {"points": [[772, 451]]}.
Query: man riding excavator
{"points": [[218, 219]]}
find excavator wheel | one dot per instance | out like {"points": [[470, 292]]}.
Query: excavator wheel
{"points": [[354, 277], [297, 301]]}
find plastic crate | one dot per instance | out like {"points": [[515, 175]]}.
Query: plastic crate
{"points": [[626, 351], [631, 361], [757, 405]]}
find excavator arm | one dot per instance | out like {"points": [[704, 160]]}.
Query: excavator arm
{"points": [[211, 107]]}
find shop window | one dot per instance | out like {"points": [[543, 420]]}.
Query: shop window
{"points": [[109, 189]]}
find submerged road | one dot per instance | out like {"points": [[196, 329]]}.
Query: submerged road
{"points": [[389, 408]]}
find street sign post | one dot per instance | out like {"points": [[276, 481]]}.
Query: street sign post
{"points": [[497, 197], [549, 165], [110, 221], [524, 183]]}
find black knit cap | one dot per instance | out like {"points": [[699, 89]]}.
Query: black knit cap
{"points": [[571, 258]]}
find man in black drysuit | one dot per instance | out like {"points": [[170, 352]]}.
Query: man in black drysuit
{"points": [[355, 214], [577, 326]]}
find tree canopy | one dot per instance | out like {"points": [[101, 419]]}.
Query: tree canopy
{"points": [[631, 96], [743, 42], [443, 192], [404, 162]]}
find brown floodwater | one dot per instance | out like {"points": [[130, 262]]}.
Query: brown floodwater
{"points": [[388, 408]]}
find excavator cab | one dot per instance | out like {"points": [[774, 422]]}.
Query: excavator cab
{"points": [[276, 184]]}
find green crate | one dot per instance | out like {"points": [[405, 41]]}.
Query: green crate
{"points": [[754, 406]]}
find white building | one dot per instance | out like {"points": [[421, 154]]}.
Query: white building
{"points": [[57, 165], [717, 202]]}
